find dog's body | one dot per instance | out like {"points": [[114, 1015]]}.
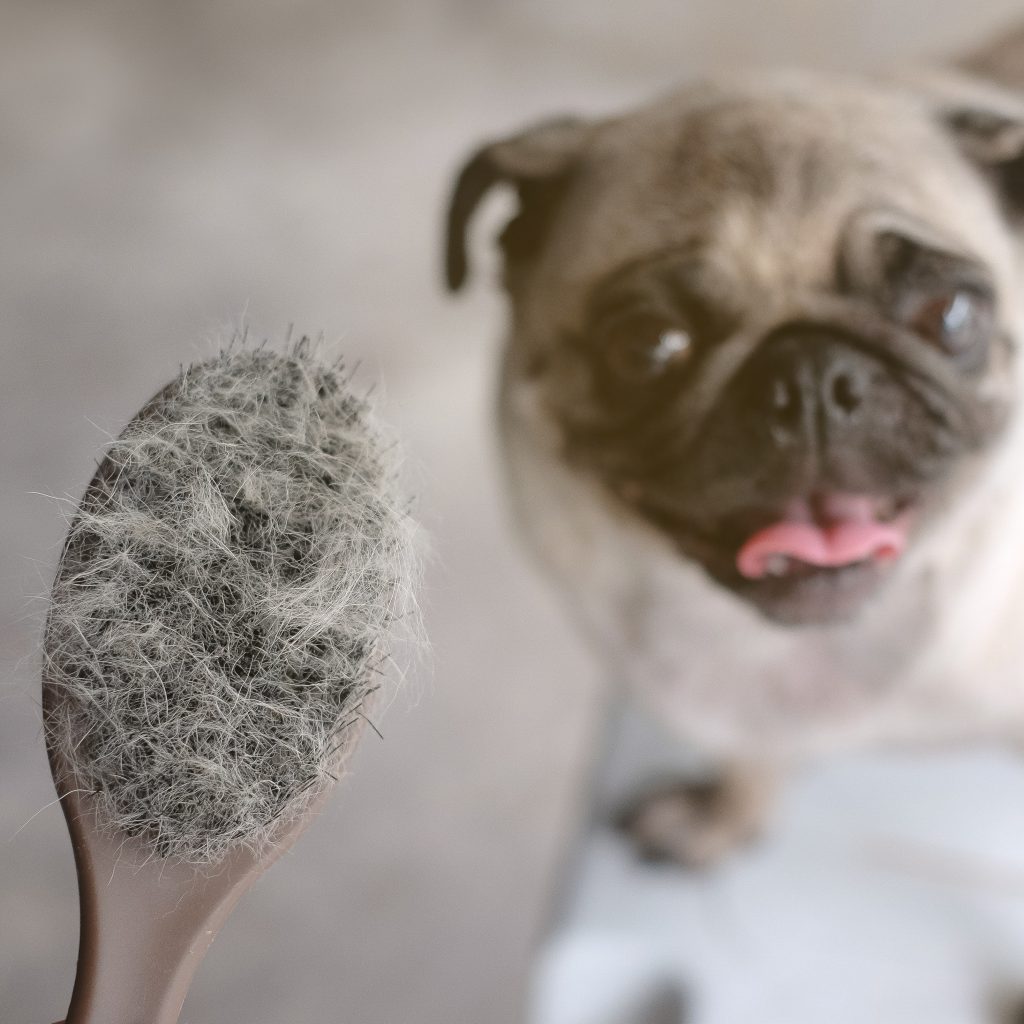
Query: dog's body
{"points": [[786, 499]]}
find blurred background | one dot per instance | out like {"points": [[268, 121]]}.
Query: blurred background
{"points": [[172, 171]]}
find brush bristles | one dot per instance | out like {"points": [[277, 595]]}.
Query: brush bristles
{"points": [[221, 604]]}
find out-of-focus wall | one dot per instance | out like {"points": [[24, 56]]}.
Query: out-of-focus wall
{"points": [[169, 170]]}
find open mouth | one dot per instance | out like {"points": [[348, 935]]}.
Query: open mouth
{"points": [[821, 560], [814, 561], [828, 533]]}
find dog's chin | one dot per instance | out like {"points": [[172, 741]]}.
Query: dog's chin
{"points": [[814, 596]]}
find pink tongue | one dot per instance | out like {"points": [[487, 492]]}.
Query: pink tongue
{"points": [[850, 533]]}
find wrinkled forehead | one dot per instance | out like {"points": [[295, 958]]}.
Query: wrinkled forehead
{"points": [[764, 186]]}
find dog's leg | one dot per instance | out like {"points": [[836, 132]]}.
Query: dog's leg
{"points": [[696, 822]]}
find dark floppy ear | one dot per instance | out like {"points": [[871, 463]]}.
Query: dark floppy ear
{"points": [[537, 162], [993, 138]]}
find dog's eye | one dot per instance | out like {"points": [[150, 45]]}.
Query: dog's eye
{"points": [[959, 321], [641, 348]]}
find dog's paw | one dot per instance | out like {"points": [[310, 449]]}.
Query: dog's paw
{"points": [[695, 823]]}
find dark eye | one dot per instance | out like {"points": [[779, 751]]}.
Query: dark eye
{"points": [[959, 322], [640, 349]]}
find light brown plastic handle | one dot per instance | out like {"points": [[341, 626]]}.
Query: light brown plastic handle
{"points": [[147, 923]]}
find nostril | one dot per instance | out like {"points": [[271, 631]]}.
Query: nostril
{"points": [[782, 400], [846, 393]]}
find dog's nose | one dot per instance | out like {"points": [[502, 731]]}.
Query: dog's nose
{"points": [[806, 382]]}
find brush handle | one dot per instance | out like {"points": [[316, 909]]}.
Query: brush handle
{"points": [[146, 923]]}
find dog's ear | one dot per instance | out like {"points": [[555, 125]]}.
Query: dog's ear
{"points": [[983, 106], [537, 162], [999, 58], [992, 137]]}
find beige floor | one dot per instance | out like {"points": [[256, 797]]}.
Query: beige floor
{"points": [[169, 170]]}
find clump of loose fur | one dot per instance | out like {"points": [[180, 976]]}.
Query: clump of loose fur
{"points": [[221, 603]]}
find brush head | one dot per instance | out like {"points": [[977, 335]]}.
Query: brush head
{"points": [[222, 604]]}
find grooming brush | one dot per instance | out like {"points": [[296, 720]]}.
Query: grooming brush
{"points": [[219, 617]]}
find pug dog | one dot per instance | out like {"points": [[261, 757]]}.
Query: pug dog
{"points": [[760, 411]]}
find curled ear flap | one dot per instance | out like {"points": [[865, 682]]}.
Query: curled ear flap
{"points": [[999, 58], [537, 162], [994, 139]]}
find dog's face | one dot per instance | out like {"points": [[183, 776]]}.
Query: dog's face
{"points": [[775, 319]]}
